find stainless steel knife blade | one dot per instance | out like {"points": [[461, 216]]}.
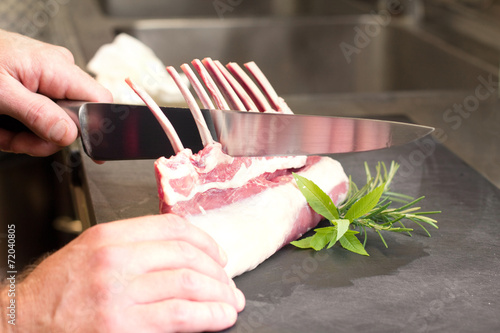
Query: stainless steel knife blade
{"points": [[265, 134], [121, 132]]}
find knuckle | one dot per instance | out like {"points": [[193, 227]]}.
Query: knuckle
{"points": [[186, 251], [110, 277], [108, 257], [180, 315], [34, 114], [65, 53], [176, 224], [189, 280], [52, 52]]}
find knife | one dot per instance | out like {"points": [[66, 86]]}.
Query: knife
{"points": [[123, 132]]}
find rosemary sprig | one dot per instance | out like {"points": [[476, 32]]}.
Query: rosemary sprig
{"points": [[364, 208]]}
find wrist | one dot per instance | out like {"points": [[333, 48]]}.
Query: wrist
{"points": [[6, 317], [16, 303]]}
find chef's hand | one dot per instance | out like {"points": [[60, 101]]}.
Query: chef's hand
{"points": [[31, 74], [150, 274]]}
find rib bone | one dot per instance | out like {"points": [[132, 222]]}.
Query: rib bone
{"points": [[206, 137], [172, 135], [210, 84]]}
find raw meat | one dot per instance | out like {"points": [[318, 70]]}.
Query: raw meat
{"points": [[268, 213], [250, 205], [194, 183]]}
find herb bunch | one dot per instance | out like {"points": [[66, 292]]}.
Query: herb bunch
{"points": [[364, 208]]}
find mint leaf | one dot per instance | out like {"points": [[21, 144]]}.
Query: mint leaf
{"points": [[319, 240], [316, 198], [304, 243], [350, 242], [326, 230], [333, 239], [365, 204], [342, 227], [323, 236]]}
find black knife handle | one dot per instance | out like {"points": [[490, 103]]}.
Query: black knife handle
{"points": [[13, 125]]}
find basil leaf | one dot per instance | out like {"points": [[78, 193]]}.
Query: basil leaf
{"points": [[350, 242], [319, 201], [365, 204]]}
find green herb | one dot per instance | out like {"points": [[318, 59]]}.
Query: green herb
{"points": [[368, 207]]}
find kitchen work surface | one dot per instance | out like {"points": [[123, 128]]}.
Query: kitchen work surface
{"points": [[444, 283]]}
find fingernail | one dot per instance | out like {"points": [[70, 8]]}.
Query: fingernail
{"points": [[58, 131], [240, 299]]}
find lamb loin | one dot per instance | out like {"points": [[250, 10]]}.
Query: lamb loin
{"points": [[250, 205]]}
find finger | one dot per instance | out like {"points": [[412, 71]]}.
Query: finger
{"points": [[60, 78], [149, 256], [186, 316], [49, 70], [156, 227], [26, 143], [183, 284], [44, 117]]}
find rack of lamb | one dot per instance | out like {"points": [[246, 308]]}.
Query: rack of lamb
{"points": [[250, 205]]}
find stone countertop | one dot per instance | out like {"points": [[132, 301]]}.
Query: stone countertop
{"points": [[417, 284]]}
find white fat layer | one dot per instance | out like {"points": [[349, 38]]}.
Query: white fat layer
{"points": [[216, 158], [258, 167], [253, 229]]}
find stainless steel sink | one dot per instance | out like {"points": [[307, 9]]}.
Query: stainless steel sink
{"points": [[326, 54], [317, 55], [229, 8]]}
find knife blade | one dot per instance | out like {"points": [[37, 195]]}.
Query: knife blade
{"points": [[121, 132]]}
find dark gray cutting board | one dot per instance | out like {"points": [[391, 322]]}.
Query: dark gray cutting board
{"points": [[449, 282]]}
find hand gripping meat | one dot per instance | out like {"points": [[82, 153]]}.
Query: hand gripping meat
{"points": [[250, 205]]}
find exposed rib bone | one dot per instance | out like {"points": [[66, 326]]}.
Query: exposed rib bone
{"points": [[226, 89], [263, 83], [238, 89], [277, 103], [232, 88], [205, 135], [172, 135], [250, 87], [210, 84], [198, 87]]}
